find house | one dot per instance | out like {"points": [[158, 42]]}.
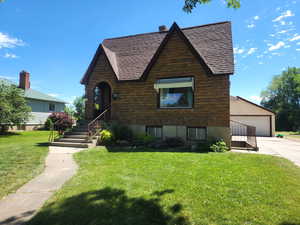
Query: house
{"points": [[170, 83], [42, 105], [246, 112]]}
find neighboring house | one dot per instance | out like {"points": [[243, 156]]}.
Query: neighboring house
{"points": [[42, 105], [246, 112], [169, 83]]}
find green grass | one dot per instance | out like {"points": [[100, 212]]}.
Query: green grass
{"points": [[289, 134], [22, 157], [143, 188]]}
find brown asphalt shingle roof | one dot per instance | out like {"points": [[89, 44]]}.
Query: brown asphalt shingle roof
{"points": [[129, 56]]}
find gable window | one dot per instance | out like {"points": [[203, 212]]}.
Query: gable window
{"points": [[51, 107], [154, 131], [196, 133], [175, 92]]}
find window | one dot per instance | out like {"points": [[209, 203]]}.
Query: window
{"points": [[51, 107], [175, 92], [154, 131], [196, 133]]}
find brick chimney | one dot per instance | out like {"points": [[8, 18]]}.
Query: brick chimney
{"points": [[162, 28], [24, 81]]}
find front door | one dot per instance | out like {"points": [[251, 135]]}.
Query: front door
{"points": [[102, 99]]}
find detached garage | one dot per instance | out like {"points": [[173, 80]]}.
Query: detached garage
{"points": [[246, 112]]}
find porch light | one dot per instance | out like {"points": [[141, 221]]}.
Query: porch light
{"points": [[115, 96]]}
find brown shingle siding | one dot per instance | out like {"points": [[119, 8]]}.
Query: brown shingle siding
{"points": [[138, 100]]}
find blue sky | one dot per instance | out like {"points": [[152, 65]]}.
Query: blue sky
{"points": [[56, 40]]}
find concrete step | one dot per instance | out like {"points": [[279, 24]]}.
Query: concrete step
{"points": [[73, 140], [75, 136], [69, 144], [76, 133], [80, 129]]}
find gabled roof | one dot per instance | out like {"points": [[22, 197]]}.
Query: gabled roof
{"points": [[33, 94], [236, 98], [131, 57]]}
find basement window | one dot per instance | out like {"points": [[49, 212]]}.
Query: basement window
{"points": [[196, 133], [154, 131], [175, 92]]}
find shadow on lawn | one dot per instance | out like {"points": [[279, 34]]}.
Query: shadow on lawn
{"points": [[42, 144], [110, 206], [147, 149], [7, 134]]}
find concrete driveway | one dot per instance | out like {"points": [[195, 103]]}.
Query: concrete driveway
{"points": [[285, 148]]}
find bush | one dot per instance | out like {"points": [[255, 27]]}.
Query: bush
{"points": [[174, 142], [60, 120], [106, 137], [219, 146], [144, 139], [203, 147], [119, 131]]}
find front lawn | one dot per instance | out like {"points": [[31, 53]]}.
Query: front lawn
{"points": [[143, 188], [290, 134], [22, 156]]}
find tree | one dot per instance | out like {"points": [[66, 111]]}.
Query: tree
{"points": [[283, 97], [79, 104], [13, 107], [189, 5]]}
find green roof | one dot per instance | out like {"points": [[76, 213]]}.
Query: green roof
{"points": [[33, 94]]}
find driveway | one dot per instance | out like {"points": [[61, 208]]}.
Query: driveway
{"points": [[285, 148]]}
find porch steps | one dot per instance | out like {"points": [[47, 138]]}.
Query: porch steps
{"points": [[76, 138]]}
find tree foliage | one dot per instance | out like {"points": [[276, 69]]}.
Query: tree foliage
{"points": [[60, 121], [283, 97], [13, 107], [79, 104], [189, 5]]}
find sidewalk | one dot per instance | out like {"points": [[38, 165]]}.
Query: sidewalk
{"points": [[17, 208]]}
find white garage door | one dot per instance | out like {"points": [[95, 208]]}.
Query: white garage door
{"points": [[262, 123]]}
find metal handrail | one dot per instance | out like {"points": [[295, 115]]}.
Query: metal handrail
{"points": [[92, 126], [243, 130]]}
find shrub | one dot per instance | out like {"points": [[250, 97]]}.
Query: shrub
{"points": [[203, 147], [144, 139], [61, 121], [106, 137], [120, 131], [174, 142], [219, 146]]}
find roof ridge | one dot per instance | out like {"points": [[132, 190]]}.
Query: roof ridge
{"points": [[161, 32]]}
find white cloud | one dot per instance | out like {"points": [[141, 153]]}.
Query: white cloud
{"points": [[260, 63], [8, 78], [9, 42], [298, 43], [238, 50], [256, 17], [10, 55], [287, 46], [279, 45], [252, 25], [298, 49], [276, 53], [282, 23], [53, 95], [259, 56], [255, 98], [282, 31], [251, 51], [287, 13], [295, 38]]}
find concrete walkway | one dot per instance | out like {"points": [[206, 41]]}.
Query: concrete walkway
{"points": [[19, 207], [286, 148]]}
